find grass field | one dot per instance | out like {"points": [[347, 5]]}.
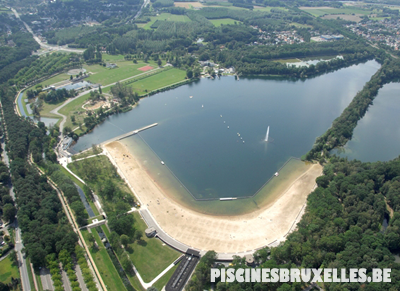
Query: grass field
{"points": [[166, 16], [150, 256], [104, 76], [75, 108], [319, 11], [223, 21], [164, 279], [158, 81], [104, 264], [8, 270]]}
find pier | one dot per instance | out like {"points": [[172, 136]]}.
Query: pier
{"points": [[125, 135]]}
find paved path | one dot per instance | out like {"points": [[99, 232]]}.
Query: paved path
{"points": [[65, 280], [79, 275], [45, 276]]}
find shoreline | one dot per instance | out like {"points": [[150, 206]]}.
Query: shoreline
{"points": [[234, 233]]}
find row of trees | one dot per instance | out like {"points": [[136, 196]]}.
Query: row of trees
{"points": [[44, 227]]}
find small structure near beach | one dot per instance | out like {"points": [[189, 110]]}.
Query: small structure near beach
{"points": [[150, 232]]}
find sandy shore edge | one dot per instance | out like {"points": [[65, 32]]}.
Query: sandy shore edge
{"points": [[232, 234]]}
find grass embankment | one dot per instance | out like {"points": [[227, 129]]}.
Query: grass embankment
{"points": [[104, 264], [164, 279], [150, 256], [8, 270], [158, 81]]}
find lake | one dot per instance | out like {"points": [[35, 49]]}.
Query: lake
{"points": [[214, 143], [377, 135]]}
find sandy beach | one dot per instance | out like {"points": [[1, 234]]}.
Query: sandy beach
{"points": [[222, 234]]}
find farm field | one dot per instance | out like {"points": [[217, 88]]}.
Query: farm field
{"points": [[223, 21], [166, 16], [188, 5], [319, 11]]}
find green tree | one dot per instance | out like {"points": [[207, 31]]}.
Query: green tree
{"points": [[189, 73], [9, 212], [125, 240]]}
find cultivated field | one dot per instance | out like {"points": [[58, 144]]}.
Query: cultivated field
{"points": [[166, 16], [188, 5]]}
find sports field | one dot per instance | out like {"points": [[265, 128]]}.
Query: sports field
{"points": [[105, 76]]}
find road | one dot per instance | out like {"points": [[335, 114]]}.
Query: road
{"points": [[23, 270], [140, 10], [42, 44], [45, 276]]}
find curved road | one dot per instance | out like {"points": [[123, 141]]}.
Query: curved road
{"points": [[43, 45]]}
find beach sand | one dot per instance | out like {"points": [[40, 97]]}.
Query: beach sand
{"points": [[223, 234]]}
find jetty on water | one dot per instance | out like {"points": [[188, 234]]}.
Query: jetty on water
{"points": [[125, 135]]}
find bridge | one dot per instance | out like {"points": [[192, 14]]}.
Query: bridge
{"points": [[125, 135]]}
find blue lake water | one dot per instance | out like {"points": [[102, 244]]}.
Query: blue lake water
{"points": [[212, 160]]}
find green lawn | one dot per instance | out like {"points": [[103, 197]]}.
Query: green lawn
{"points": [[75, 108], [223, 21], [104, 264], [8, 270], [164, 279], [150, 256], [104, 76], [166, 16], [158, 81]]}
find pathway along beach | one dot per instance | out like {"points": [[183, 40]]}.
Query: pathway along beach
{"points": [[223, 234]]}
